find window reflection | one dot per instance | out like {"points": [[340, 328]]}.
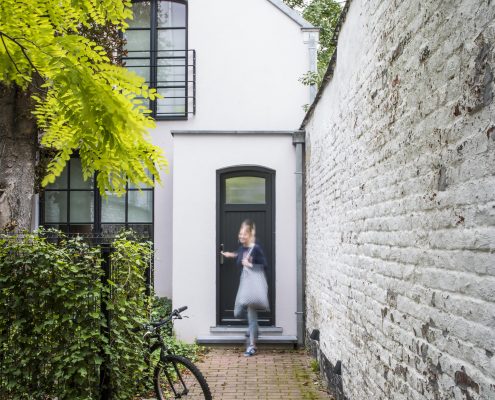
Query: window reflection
{"points": [[141, 15], [171, 14], [61, 182], [55, 206], [140, 206], [76, 176], [81, 206], [245, 190], [113, 208], [74, 205]]}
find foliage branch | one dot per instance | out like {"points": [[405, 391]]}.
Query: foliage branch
{"points": [[323, 14], [82, 100]]}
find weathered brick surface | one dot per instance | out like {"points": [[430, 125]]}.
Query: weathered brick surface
{"points": [[400, 186], [271, 374]]}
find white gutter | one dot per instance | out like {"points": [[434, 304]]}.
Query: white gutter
{"points": [[298, 141]]}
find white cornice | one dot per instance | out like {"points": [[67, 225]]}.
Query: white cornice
{"points": [[293, 14]]}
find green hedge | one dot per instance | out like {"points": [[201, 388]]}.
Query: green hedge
{"points": [[51, 324]]}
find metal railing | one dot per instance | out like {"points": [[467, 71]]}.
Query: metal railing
{"points": [[173, 74]]}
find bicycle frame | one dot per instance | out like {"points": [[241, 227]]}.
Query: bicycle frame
{"points": [[169, 358]]}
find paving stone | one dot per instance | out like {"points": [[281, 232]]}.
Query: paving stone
{"points": [[270, 374]]}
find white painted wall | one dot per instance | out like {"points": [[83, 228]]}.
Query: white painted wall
{"points": [[400, 201], [250, 56], [197, 158]]}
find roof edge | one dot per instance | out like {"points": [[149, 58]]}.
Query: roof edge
{"points": [[292, 14], [331, 66], [234, 132]]}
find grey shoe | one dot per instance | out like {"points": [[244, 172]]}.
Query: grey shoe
{"points": [[250, 351]]}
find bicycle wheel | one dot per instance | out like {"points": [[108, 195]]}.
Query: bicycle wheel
{"points": [[176, 377]]}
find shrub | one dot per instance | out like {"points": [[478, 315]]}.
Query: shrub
{"points": [[50, 318], [52, 329], [55, 338]]}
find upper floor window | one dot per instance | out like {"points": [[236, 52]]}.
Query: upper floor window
{"points": [[157, 50]]}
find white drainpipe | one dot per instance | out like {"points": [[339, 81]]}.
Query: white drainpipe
{"points": [[298, 141], [311, 38]]}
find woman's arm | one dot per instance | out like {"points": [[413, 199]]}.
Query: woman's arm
{"points": [[228, 254], [259, 256]]}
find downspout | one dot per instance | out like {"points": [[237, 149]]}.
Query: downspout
{"points": [[311, 37], [298, 141]]}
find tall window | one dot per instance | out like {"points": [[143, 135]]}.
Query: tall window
{"points": [[157, 50], [73, 205]]}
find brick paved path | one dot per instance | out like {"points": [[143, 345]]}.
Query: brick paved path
{"points": [[270, 374]]}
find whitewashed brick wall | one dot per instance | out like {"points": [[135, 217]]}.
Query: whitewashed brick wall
{"points": [[400, 184]]}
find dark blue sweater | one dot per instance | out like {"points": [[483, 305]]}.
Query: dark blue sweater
{"points": [[257, 256]]}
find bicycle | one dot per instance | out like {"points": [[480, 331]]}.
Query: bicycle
{"points": [[174, 377]]}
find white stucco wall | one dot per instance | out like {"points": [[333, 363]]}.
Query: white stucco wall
{"points": [[198, 157], [250, 56]]}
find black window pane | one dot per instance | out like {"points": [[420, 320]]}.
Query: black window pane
{"points": [[171, 39], [245, 190], [171, 14], [138, 43], [172, 103], [171, 72], [76, 176], [113, 208], [81, 207], [141, 15], [61, 182], [140, 206], [55, 206], [140, 66]]}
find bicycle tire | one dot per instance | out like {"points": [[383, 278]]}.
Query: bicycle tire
{"points": [[190, 384]]}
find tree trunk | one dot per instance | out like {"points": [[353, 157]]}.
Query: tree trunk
{"points": [[18, 146]]}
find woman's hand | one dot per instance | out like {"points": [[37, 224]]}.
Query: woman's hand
{"points": [[246, 263], [228, 254]]}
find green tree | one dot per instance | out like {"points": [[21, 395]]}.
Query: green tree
{"points": [[295, 3], [323, 14], [60, 90]]}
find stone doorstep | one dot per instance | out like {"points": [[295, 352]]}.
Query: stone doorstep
{"points": [[236, 335], [241, 339], [242, 329]]}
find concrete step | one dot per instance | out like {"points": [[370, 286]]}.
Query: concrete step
{"points": [[241, 330], [241, 339]]}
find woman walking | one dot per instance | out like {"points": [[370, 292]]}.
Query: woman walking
{"points": [[252, 294]]}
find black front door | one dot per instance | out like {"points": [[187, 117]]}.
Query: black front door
{"points": [[244, 192]]}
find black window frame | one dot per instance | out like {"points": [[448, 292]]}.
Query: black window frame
{"points": [[154, 58], [97, 224]]}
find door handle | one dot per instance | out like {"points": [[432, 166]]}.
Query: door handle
{"points": [[221, 255]]}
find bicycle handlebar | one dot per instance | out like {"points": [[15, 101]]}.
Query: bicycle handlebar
{"points": [[175, 313], [158, 324]]}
